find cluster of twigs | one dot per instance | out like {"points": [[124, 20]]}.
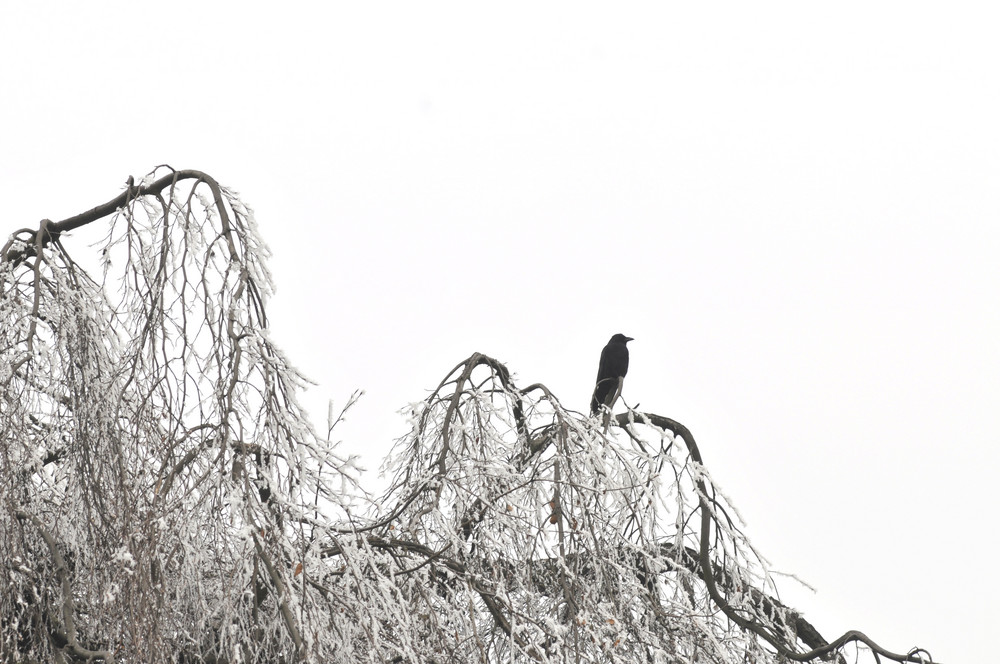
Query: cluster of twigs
{"points": [[164, 498]]}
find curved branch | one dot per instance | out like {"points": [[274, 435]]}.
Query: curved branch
{"points": [[819, 646], [468, 366], [50, 231], [68, 606]]}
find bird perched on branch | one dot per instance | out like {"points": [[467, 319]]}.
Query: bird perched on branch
{"points": [[610, 373]]}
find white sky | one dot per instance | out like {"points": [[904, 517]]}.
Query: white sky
{"points": [[792, 207]]}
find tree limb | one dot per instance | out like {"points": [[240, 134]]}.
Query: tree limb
{"points": [[68, 606], [820, 647]]}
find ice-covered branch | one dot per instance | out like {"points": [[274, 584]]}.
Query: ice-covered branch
{"points": [[774, 610], [68, 612], [155, 463]]}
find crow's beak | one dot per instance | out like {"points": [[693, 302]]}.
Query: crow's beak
{"points": [[628, 339]]}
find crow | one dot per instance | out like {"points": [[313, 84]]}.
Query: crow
{"points": [[610, 373]]}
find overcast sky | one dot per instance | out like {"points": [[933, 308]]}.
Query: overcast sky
{"points": [[793, 207]]}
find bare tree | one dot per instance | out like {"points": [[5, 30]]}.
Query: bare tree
{"points": [[164, 497]]}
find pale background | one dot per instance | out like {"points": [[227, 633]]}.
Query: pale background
{"points": [[792, 207]]}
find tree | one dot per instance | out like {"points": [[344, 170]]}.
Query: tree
{"points": [[164, 497]]}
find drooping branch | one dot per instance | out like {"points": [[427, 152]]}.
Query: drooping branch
{"points": [[69, 633], [514, 529], [282, 592], [463, 409], [132, 407], [32, 241], [809, 635]]}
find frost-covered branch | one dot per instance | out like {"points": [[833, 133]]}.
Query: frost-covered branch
{"points": [[719, 582], [151, 427], [164, 494], [68, 634], [540, 504]]}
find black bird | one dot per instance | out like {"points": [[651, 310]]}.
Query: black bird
{"points": [[610, 373]]}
